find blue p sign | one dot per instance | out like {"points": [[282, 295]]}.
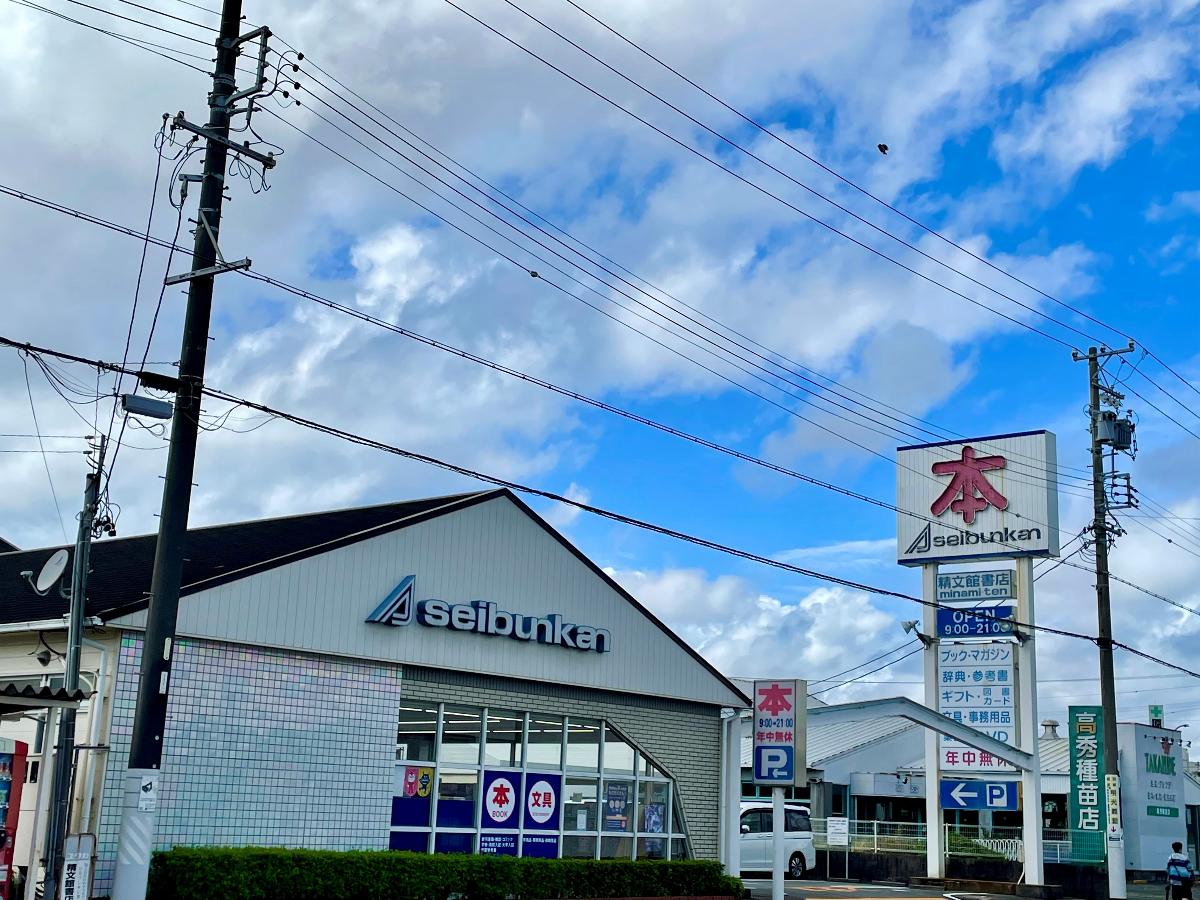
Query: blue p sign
{"points": [[773, 764]]}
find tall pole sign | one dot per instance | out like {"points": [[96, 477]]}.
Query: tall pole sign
{"points": [[779, 756], [970, 501]]}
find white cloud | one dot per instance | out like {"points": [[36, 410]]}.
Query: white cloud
{"points": [[1181, 204], [1121, 95], [562, 515]]}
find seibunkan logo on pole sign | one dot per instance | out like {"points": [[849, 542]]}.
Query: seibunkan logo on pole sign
{"points": [[400, 607], [984, 498]]}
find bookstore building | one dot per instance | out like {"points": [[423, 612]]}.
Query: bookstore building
{"points": [[447, 675]]}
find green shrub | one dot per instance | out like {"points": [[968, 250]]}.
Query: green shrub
{"points": [[275, 874]]}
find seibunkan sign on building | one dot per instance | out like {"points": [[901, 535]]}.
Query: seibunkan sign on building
{"points": [[983, 498]]}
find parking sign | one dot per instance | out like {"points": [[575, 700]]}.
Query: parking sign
{"points": [[780, 719]]}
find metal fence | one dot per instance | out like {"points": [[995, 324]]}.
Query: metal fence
{"points": [[970, 841]]}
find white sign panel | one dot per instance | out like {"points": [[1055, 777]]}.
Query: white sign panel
{"points": [[977, 688], [837, 831], [148, 795], [994, 584], [78, 851], [780, 736], [985, 498]]}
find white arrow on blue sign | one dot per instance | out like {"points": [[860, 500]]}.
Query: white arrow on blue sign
{"points": [[994, 795]]}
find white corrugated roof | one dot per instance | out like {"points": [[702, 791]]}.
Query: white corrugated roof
{"points": [[827, 742]]}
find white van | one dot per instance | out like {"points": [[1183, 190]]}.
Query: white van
{"points": [[758, 838]]}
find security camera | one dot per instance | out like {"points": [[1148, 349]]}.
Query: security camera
{"points": [[27, 574], [44, 657]]}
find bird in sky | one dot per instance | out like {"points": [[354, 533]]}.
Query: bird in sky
{"points": [[883, 148]]}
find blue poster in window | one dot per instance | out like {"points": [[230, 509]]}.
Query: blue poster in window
{"points": [[498, 844], [542, 803], [543, 846], [616, 806], [655, 814], [501, 800]]}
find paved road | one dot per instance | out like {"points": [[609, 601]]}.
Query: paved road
{"points": [[760, 889]]}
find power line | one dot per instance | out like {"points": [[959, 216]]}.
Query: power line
{"points": [[865, 662], [45, 461], [816, 220], [611, 515], [786, 409], [900, 659], [129, 232], [116, 15], [862, 190], [494, 189]]}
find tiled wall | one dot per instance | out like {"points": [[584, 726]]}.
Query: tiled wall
{"points": [[262, 747]]}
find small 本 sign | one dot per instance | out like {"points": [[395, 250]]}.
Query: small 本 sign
{"points": [[780, 708]]}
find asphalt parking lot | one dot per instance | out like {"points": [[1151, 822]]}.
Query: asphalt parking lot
{"points": [[760, 889]]}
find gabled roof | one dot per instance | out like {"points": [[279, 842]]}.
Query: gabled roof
{"points": [[120, 568], [119, 583], [8, 546], [828, 741]]}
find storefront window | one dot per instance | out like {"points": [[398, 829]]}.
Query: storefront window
{"points": [[496, 781], [618, 755], [652, 807], [457, 792], [416, 733], [651, 848], [579, 846], [460, 735], [616, 848], [583, 745], [618, 806], [545, 741], [505, 737], [579, 804]]}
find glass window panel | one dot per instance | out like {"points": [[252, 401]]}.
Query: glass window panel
{"points": [[505, 733], [618, 755], [652, 848], [445, 842], [545, 741], [618, 806], [646, 766], [460, 734], [752, 822], [416, 733], [457, 795], [583, 745], [579, 846], [652, 807], [797, 820], [679, 849], [414, 841], [579, 805], [616, 848]]}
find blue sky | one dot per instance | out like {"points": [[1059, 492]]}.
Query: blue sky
{"points": [[1055, 139]]}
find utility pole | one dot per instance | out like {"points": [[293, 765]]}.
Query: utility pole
{"points": [[136, 838], [60, 812], [1108, 691]]}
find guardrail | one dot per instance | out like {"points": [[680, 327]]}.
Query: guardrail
{"points": [[998, 842]]}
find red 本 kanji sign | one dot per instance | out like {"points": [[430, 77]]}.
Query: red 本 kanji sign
{"points": [[779, 732]]}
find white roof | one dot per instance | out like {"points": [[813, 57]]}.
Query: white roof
{"points": [[827, 742]]}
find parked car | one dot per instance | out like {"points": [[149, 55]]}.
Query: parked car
{"points": [[758, 833]]}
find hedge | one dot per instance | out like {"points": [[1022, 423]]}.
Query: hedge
{"points": [[253, 873]]}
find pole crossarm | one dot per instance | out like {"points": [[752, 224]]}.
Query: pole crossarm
{"points": [[903, 708]]}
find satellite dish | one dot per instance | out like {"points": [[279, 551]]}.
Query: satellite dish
{"points": [[51, 571]]}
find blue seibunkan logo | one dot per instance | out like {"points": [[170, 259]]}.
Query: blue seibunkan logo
{"points": [[400, 607]]}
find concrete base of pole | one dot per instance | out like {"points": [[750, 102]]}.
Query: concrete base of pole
{"points": [[1116, 870], [136, 840]]}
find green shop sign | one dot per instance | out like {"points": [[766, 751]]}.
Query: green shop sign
{"points": [[1085, 804], [1165, 812]]}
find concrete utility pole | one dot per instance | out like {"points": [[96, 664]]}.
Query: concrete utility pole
{"points": [[60, 812], [145, 755], [1108, 690]]}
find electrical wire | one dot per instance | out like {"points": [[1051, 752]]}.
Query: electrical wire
{"points": [[116, 15], [815, 219], [866, 662], [611, 515], [886, 665], [45, 461], [129, 232], [494, 190], [862, 190], [537, 274]]}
